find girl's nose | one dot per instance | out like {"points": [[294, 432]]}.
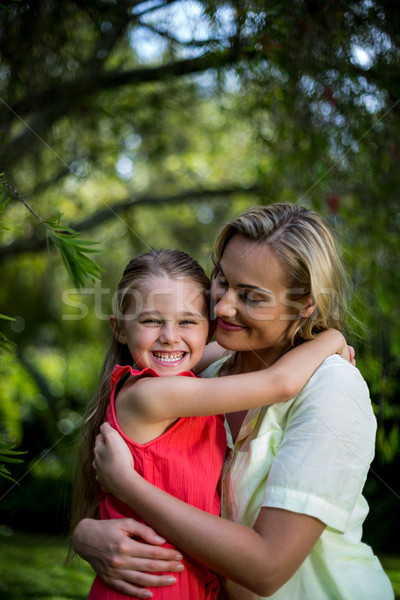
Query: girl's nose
{"points": [[169, 335]]}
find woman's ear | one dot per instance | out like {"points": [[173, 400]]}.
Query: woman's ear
{"points": [[309, 307], [118, 331]]}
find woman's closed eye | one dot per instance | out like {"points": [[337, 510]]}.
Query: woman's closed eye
{"points": [[254, 297], [220, 280]]}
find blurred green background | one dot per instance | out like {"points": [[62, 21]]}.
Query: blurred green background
{"points": [[150, 124]]}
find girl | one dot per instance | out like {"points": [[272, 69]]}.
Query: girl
{"points": [[160, 329]]}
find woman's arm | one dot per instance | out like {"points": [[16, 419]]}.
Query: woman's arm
{"points": [[114, 550], [153, 400], [261, 559]]}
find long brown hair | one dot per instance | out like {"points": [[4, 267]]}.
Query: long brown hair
{"points": [[155, 263]]}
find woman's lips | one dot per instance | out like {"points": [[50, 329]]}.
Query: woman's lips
{"points": [[228, 325]]}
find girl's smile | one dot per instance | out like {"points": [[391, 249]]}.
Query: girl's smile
{"points": [[168, 357]]}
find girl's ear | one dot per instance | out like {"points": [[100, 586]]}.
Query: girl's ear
{"points": [[118, 331]]}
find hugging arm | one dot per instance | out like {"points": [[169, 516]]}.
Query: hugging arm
{"points": [[261, 559], [112, 553], [126, 554], [153, 400], [322, 454]]}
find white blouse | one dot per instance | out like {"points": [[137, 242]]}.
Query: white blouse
{"points": [[311, 455]]}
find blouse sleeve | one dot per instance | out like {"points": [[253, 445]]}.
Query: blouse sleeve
{"points": [[327, 446]]}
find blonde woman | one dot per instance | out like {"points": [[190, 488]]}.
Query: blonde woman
{"points": [[292, 491]]}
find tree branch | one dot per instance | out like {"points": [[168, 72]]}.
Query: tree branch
{"points": [[49, 105], [36, 244], [171, 38], [150, 9], [96, 81]]}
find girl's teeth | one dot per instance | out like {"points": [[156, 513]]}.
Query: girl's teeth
{"points": [[168, 357]]}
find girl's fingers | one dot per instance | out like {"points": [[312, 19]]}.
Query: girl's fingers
{"points": [[106, 428]]}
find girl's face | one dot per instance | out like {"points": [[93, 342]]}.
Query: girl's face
{"points": [[166, 325], [254, 315]]}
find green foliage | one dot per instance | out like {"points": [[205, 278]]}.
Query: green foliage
{"points": [[73, 252], [78, 265], [8, 455], [391, 564], [5, 343], [170, 119]]}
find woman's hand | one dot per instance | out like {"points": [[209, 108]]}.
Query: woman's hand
{"points": [[123, 563], [113, 461]]}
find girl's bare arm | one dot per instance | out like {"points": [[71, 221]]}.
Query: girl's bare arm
{"points": [[153, 400]]}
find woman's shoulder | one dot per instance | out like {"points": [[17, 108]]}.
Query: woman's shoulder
{"points": [[337, 388], [337, 369], [336, 376], [215, 367]]}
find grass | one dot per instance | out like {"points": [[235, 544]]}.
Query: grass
{"points": [[32, 566]]}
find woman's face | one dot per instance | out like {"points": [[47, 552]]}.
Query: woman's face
{"points": [[253, 312]]}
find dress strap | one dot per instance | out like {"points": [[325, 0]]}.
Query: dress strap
{"points": [[120, 370]]}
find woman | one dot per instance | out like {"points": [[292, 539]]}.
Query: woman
{"points": [[292, 497]]}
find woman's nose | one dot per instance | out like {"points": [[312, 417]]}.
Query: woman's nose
{"points": [[226, 305]]}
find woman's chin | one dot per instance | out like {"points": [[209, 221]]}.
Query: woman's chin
{"points": [[227, 340]]}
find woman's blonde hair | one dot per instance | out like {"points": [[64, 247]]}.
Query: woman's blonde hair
{"points": [[174, 264], [307, 251]]}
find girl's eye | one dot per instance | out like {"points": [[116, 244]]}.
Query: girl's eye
{"points": [[188, 322], [151, 322]]}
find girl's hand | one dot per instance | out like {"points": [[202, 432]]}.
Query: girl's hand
{"points": [[344, 350], [113, 461], [352, 353], [123, 563], [348, 353]]}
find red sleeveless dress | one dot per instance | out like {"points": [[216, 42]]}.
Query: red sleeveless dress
{"points": [[185, 461]]}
